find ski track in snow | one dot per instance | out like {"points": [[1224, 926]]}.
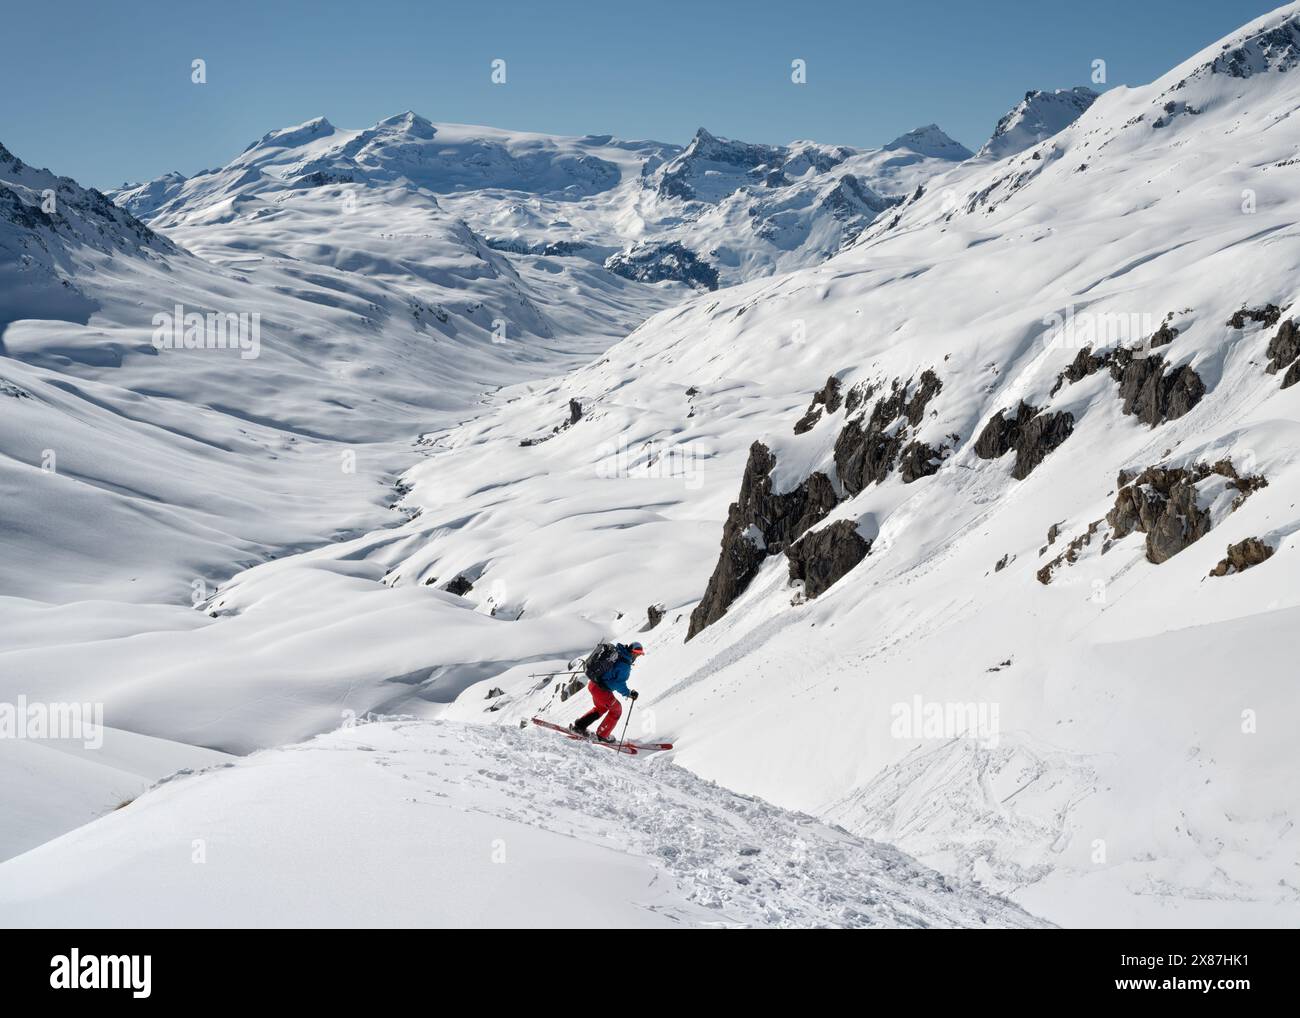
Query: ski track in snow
{"points": [[708, 856]]}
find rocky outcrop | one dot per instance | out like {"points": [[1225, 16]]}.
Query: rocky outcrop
{"points": [[576, 411], [1164, 335], [919, 460], [827, 398], [1031, 433], [820, 558], [1071, 553], [1267, 316], [657, 263], [1153, 396], [460, 586], [1148, 392], [1162, 503], [1085, 364], [654, 615], [576, 684], [759, 523], [869, 446], [1284, 350], [1242, 556]]}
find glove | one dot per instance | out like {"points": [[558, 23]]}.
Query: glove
{"points": [[632, 694]]}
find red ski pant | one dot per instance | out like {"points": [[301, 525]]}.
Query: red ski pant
{"points": [[605, 703]]}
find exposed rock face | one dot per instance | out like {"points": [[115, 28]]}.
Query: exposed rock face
{"points": [[1085, 363], [1071, 553], [1161, 502], [858, 395], [654, 615], [1164, 335], [1277, 49], [575, 415], [1283, 350], [1148, 392], [460, 586], [1242, 556], [655, 263], [919, 460], [854, 204], [676, 177], [1030, 433], [1153, 396], [828, 396], [868, 447], [759, 524], [822, 557], [574, 685], [1035, 118], [1268, 316]]}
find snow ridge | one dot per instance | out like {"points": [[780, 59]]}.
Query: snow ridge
{"points": [[539, 820]]}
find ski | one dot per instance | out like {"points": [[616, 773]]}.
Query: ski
{"points": [[630, 748]]}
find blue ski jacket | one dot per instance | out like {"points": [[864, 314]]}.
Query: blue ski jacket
{"points": [[615, 680]]}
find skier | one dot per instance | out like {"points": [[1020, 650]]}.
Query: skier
{"points": [[603, 688]]}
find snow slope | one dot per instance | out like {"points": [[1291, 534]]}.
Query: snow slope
{"points": [[1037, 117], [136, 476], [480, 828], [1131, 785], [53, 784], [1112, 283]]}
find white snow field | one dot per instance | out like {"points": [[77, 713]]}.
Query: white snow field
{"points": [[414, 823], [1054, 480]]}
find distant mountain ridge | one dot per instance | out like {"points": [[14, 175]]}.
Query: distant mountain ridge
{"points": [[715, 209]]}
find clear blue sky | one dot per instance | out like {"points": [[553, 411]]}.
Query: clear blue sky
{"points": [[101, 91]]}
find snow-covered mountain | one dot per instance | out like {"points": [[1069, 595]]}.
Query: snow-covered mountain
{"points": [[713, 213], [966, 522], [1037, 117], [50, 227]]}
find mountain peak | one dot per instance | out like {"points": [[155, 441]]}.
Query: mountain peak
{"points": [[1270, 42], [1037, 117], [930, 140], [299, 134], [409, 122]]}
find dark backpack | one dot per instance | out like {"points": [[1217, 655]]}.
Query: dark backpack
{"points": [[600, 661]]}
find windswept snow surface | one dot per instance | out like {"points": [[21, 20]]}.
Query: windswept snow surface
{"points": [[407, 823], [52, 784]]}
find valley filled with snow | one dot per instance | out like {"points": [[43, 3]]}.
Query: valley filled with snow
{"points": [[952, 494]]}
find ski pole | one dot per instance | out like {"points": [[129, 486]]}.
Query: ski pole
{"points": [[623, 738]]}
